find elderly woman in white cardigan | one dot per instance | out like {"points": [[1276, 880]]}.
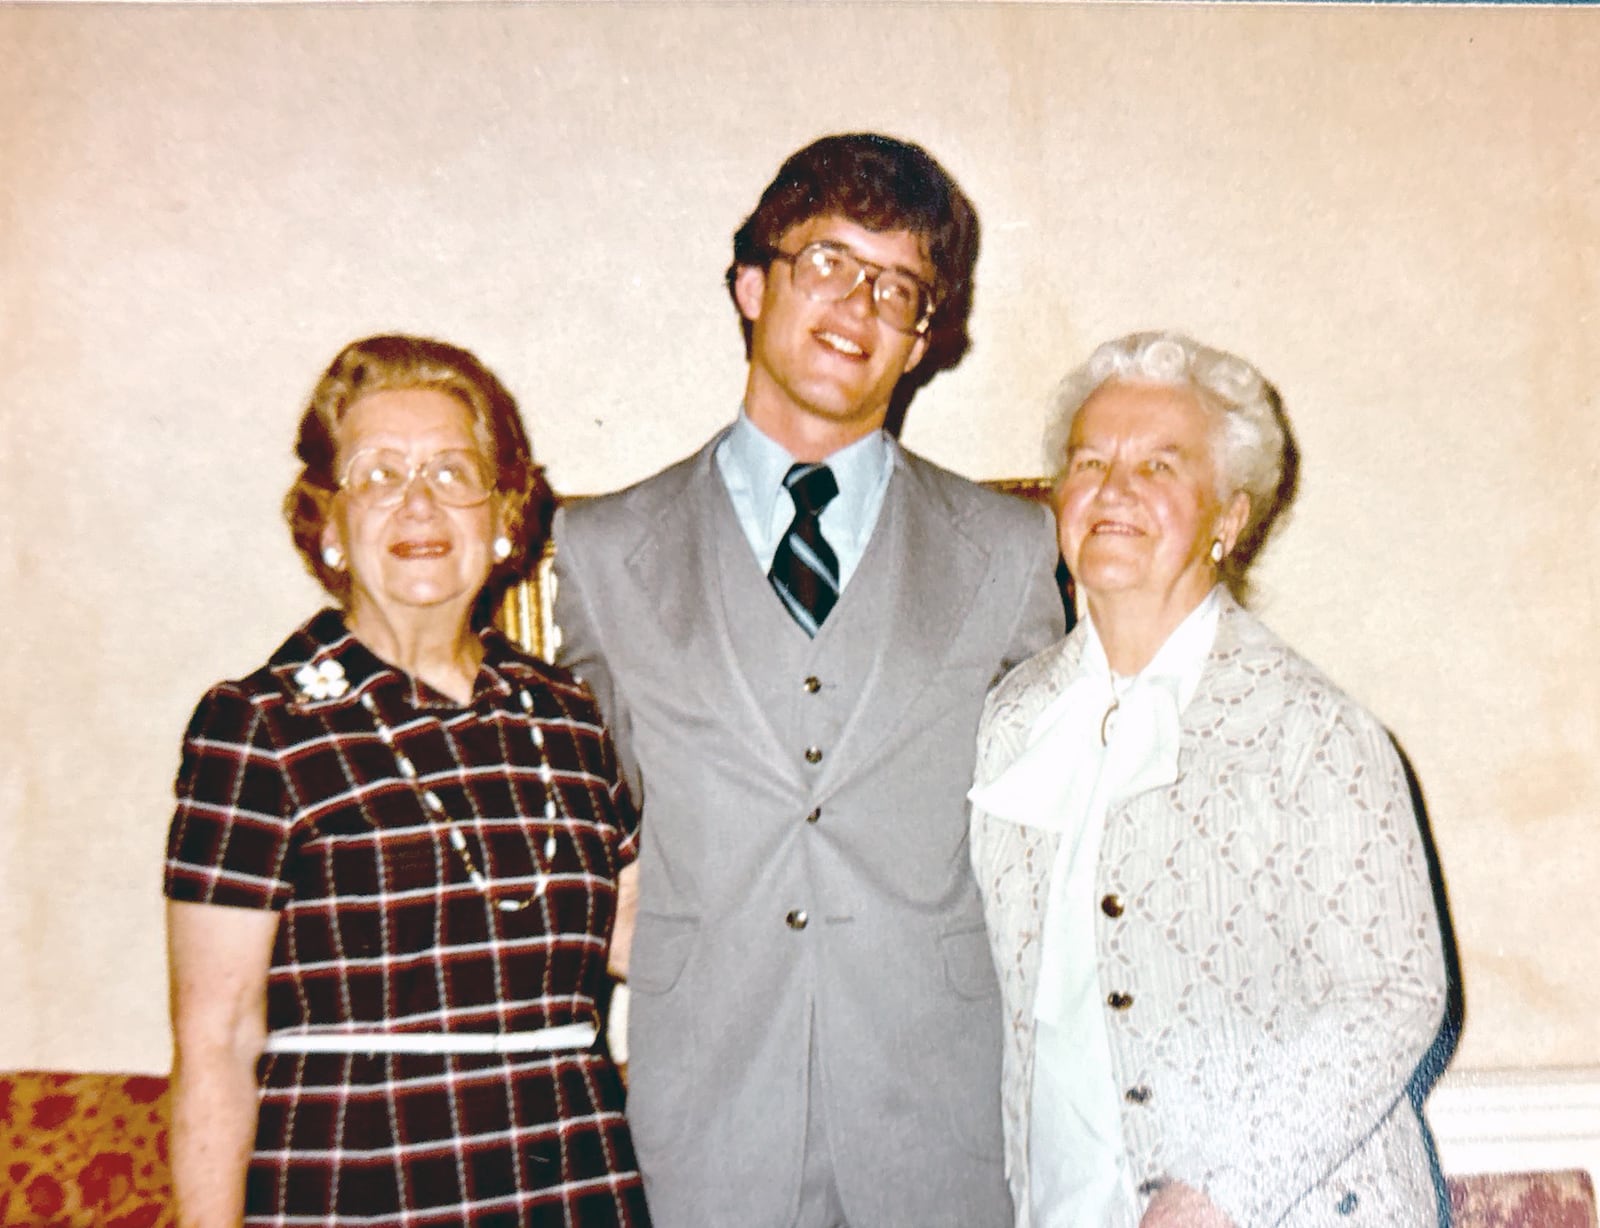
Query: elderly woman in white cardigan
{"points": [[1206, 889]]}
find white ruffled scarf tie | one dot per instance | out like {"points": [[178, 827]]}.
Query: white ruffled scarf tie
{"points": [[1101, 741]]}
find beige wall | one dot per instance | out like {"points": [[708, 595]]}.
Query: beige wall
{"points": [[1395, 212]]}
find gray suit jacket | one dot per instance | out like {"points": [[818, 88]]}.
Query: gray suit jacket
{"points": [[1275, 934], [806, 893]]}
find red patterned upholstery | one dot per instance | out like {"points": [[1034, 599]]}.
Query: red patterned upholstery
{"points": [[1523, 1200], [83, 1151], [90, 1151]]}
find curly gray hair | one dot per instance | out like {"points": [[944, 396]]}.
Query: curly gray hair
{"points": [[1254, 450]]}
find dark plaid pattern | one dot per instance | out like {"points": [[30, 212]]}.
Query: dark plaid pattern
{"points": [[294, 803]]}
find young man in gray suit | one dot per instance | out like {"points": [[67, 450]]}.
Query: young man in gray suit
{"points": [[791, 634]]}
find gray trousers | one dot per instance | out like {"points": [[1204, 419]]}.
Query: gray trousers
{"points": [[819, 1193]]}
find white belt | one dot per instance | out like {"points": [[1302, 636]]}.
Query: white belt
{"points": [[542, 1040]]}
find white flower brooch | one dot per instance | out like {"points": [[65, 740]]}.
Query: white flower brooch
{"points": [[324, 681]]}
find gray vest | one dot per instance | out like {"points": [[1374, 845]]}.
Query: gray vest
{"points": [[808, 687]]}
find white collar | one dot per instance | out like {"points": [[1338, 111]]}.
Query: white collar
{"points": [[1126, 728], [1181, 658]]}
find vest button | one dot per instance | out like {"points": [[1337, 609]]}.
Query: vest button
{"points": [[1119, 1001], [813, 684], [1111, 905], [813, 754], [814, 815], [796, 920]]}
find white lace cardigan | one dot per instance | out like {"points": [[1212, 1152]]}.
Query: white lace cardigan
{"points": [[1273, 973]]}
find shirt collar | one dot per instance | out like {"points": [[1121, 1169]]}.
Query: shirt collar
{"points": [[1074, 757], [323, 664], [758, 463], [1182, 658]]}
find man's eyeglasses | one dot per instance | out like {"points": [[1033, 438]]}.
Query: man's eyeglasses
{"points": [[830, 273], [380, 477]]}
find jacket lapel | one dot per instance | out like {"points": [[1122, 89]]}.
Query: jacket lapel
{"points": [[936, 572], [679, 563]]}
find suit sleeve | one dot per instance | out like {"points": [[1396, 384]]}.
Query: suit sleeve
{"points": [[1276, 1112], [1041, 618], [583, 636]]}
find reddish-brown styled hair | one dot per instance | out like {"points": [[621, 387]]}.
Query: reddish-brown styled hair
{"points": [[391, 363]]}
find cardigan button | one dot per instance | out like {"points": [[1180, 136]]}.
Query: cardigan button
{"points": [[796, 920], [813, 754], [1137, 1095], [1111, 905], [813, 684], [815, 815], [1119, 1001]]}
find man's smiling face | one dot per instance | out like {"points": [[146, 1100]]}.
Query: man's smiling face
{"points": [[821, 373]]}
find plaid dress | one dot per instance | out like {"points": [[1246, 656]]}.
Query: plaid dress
{"points": [[290, 799]]}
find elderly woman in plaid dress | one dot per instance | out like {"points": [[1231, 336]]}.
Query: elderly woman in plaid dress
{"points": [[392, 869]]}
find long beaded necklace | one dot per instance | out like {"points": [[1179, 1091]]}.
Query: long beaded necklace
{"points": [[554, 808]]}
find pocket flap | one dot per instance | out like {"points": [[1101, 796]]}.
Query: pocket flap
{"points": [[968, 966], [661, 946]]}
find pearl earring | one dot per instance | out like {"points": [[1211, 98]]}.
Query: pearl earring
{"points": [[502, 548], [1216, 551], [333, 557]]}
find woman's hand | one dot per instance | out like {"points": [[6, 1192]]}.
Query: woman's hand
{"points": [[219, 959], [1176, 1205], [627, 913]]}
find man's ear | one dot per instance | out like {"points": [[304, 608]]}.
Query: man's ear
{"points": [[749, 289], [918, 349]]}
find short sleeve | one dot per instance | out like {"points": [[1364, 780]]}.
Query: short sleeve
{"points": [[231, 828]]}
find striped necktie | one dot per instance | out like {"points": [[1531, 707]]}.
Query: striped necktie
{"points": [[805, 570]]}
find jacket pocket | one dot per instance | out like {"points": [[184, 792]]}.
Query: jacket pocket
{"points": [[665, 1084], [661, 946], [968, 966]]}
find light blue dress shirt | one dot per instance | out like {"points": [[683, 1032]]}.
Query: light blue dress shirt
{"points": [[752, 467]]}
